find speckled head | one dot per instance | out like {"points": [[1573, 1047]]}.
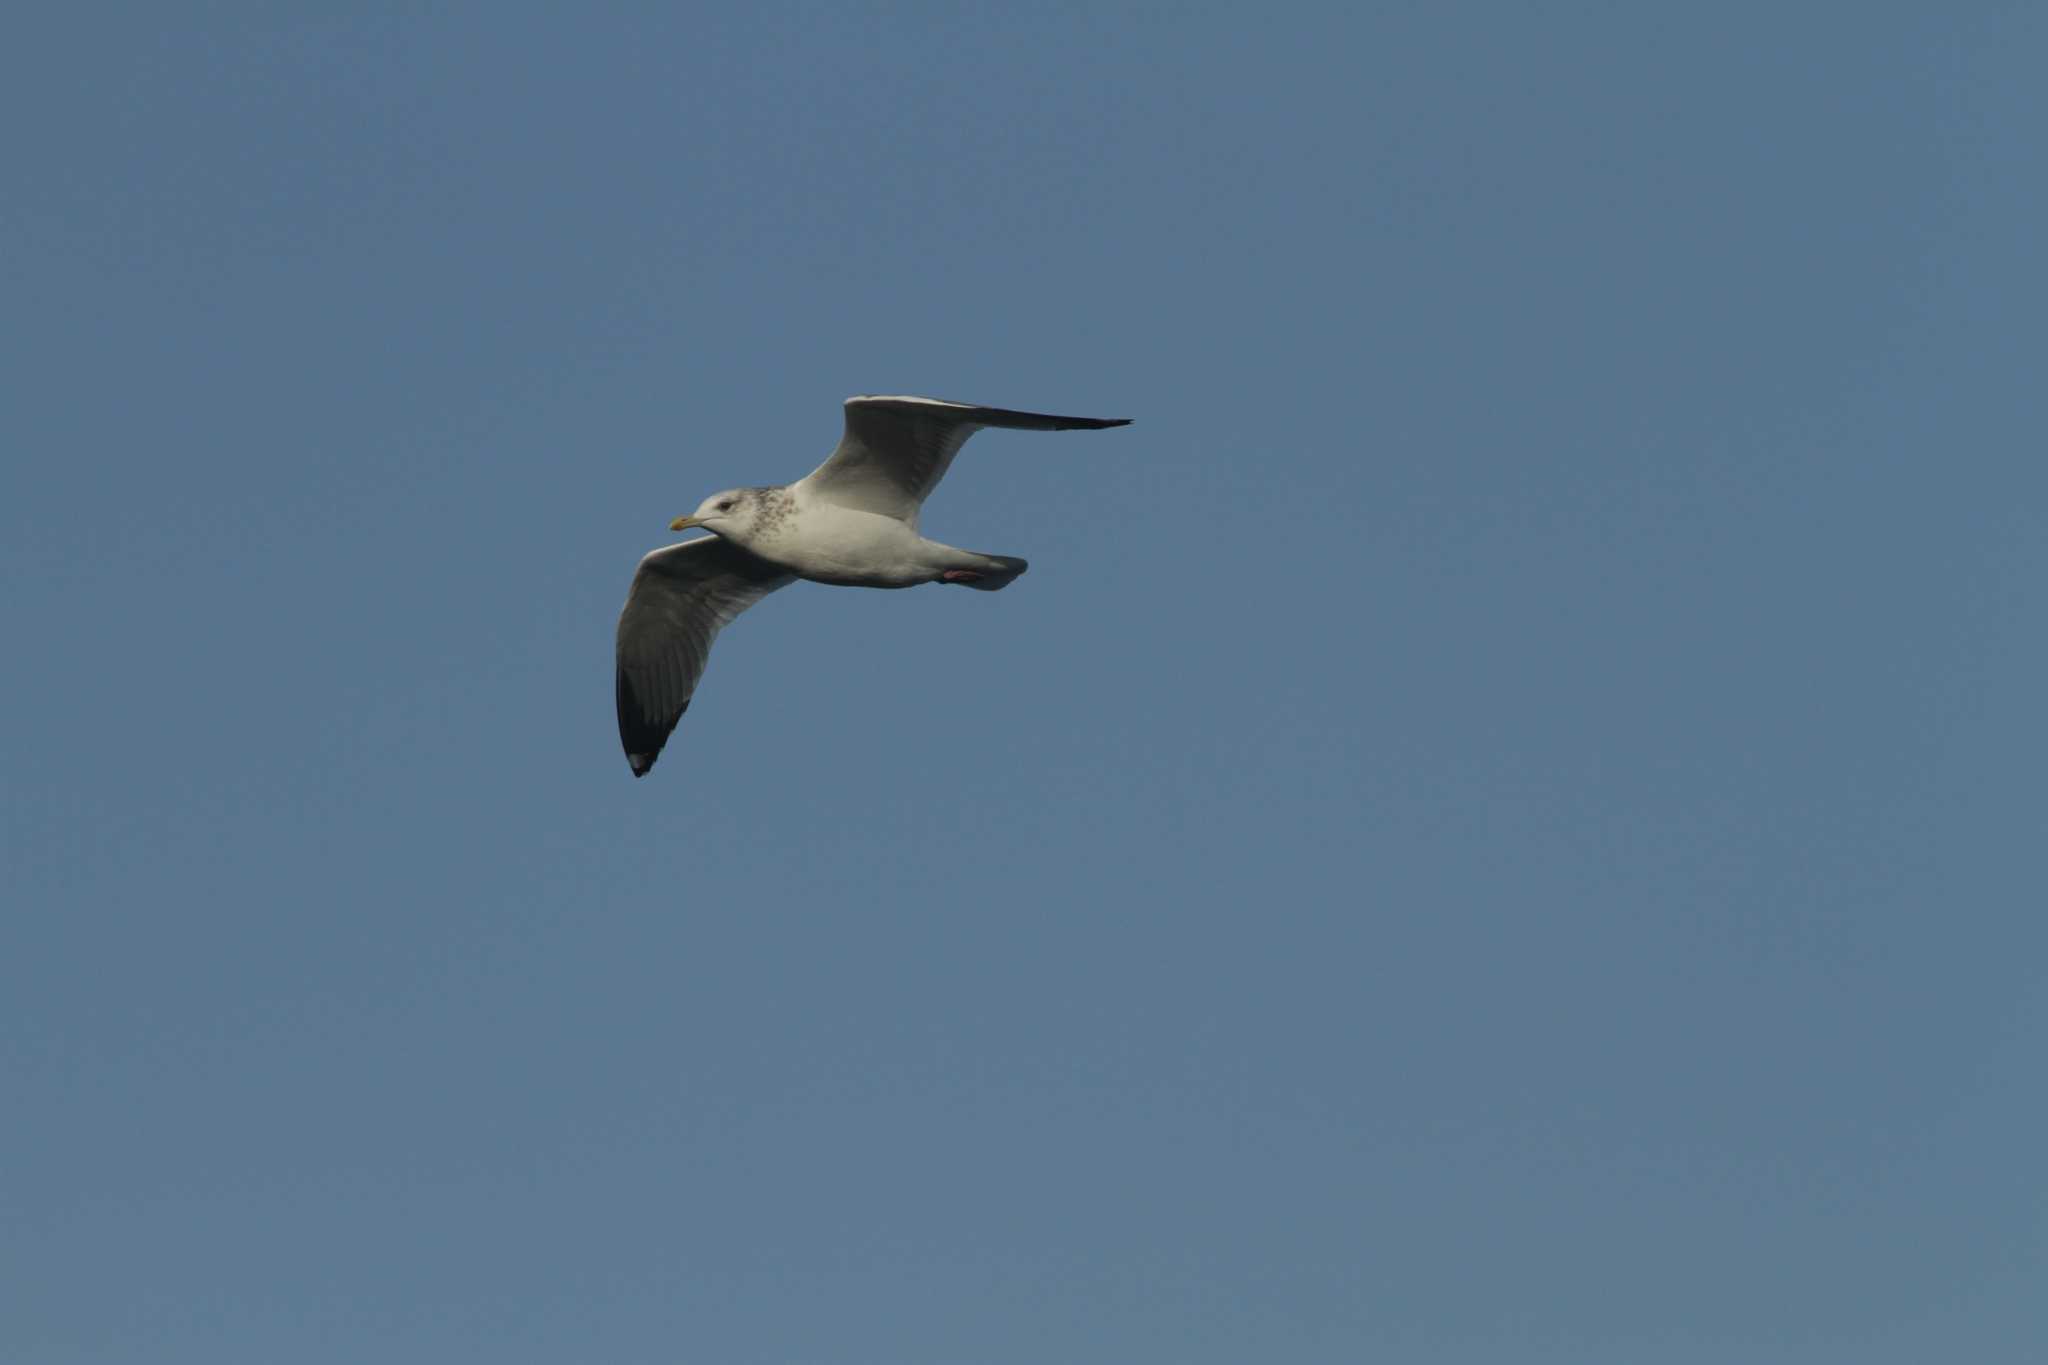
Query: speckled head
{"points": [[744, 515]]}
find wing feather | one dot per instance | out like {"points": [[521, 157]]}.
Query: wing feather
{"points": [[896, 449], [682, 596]]}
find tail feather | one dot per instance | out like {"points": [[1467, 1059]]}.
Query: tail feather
{"points": [[999, 573]]}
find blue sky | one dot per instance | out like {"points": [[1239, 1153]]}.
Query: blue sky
{"points": [[1503, 823]]}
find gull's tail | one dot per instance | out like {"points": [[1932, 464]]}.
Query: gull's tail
{"points": [[996, 573]]}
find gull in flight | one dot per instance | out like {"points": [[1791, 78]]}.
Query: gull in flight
{"points": [[852, 521]]}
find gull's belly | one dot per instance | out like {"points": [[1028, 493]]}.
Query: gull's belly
{"points": [[829, 544]]}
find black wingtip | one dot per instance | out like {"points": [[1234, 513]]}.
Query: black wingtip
{"points": [[642, 740]]}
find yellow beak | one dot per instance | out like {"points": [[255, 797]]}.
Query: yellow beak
{"points": [[684, 523]]}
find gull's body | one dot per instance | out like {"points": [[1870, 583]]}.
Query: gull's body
{"points": [[851, 522], [848, 547]]}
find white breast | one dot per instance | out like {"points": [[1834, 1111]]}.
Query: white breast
{"points": [[833, 544]]}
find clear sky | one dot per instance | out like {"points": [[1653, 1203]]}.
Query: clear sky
{"points": [[1504, 823]]}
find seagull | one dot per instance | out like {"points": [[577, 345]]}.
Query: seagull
{"points": [[851, 522]]}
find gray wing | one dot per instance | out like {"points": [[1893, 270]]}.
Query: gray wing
{"points": [[682, 596], [896, 450]]}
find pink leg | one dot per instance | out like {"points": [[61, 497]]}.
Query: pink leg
{"points": [[959, 576]]}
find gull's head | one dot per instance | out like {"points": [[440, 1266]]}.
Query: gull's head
{"points": [[731, 513]]}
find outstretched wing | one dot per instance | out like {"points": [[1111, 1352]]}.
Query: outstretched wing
{"points": [[682, 596], [896, 450]]}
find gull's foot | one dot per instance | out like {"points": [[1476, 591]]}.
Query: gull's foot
{"points": [[960, 576]]}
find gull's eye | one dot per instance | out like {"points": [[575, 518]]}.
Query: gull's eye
{"points": [[725, 506]]}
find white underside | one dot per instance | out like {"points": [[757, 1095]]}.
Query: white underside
{"points": [[828, 543]]}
